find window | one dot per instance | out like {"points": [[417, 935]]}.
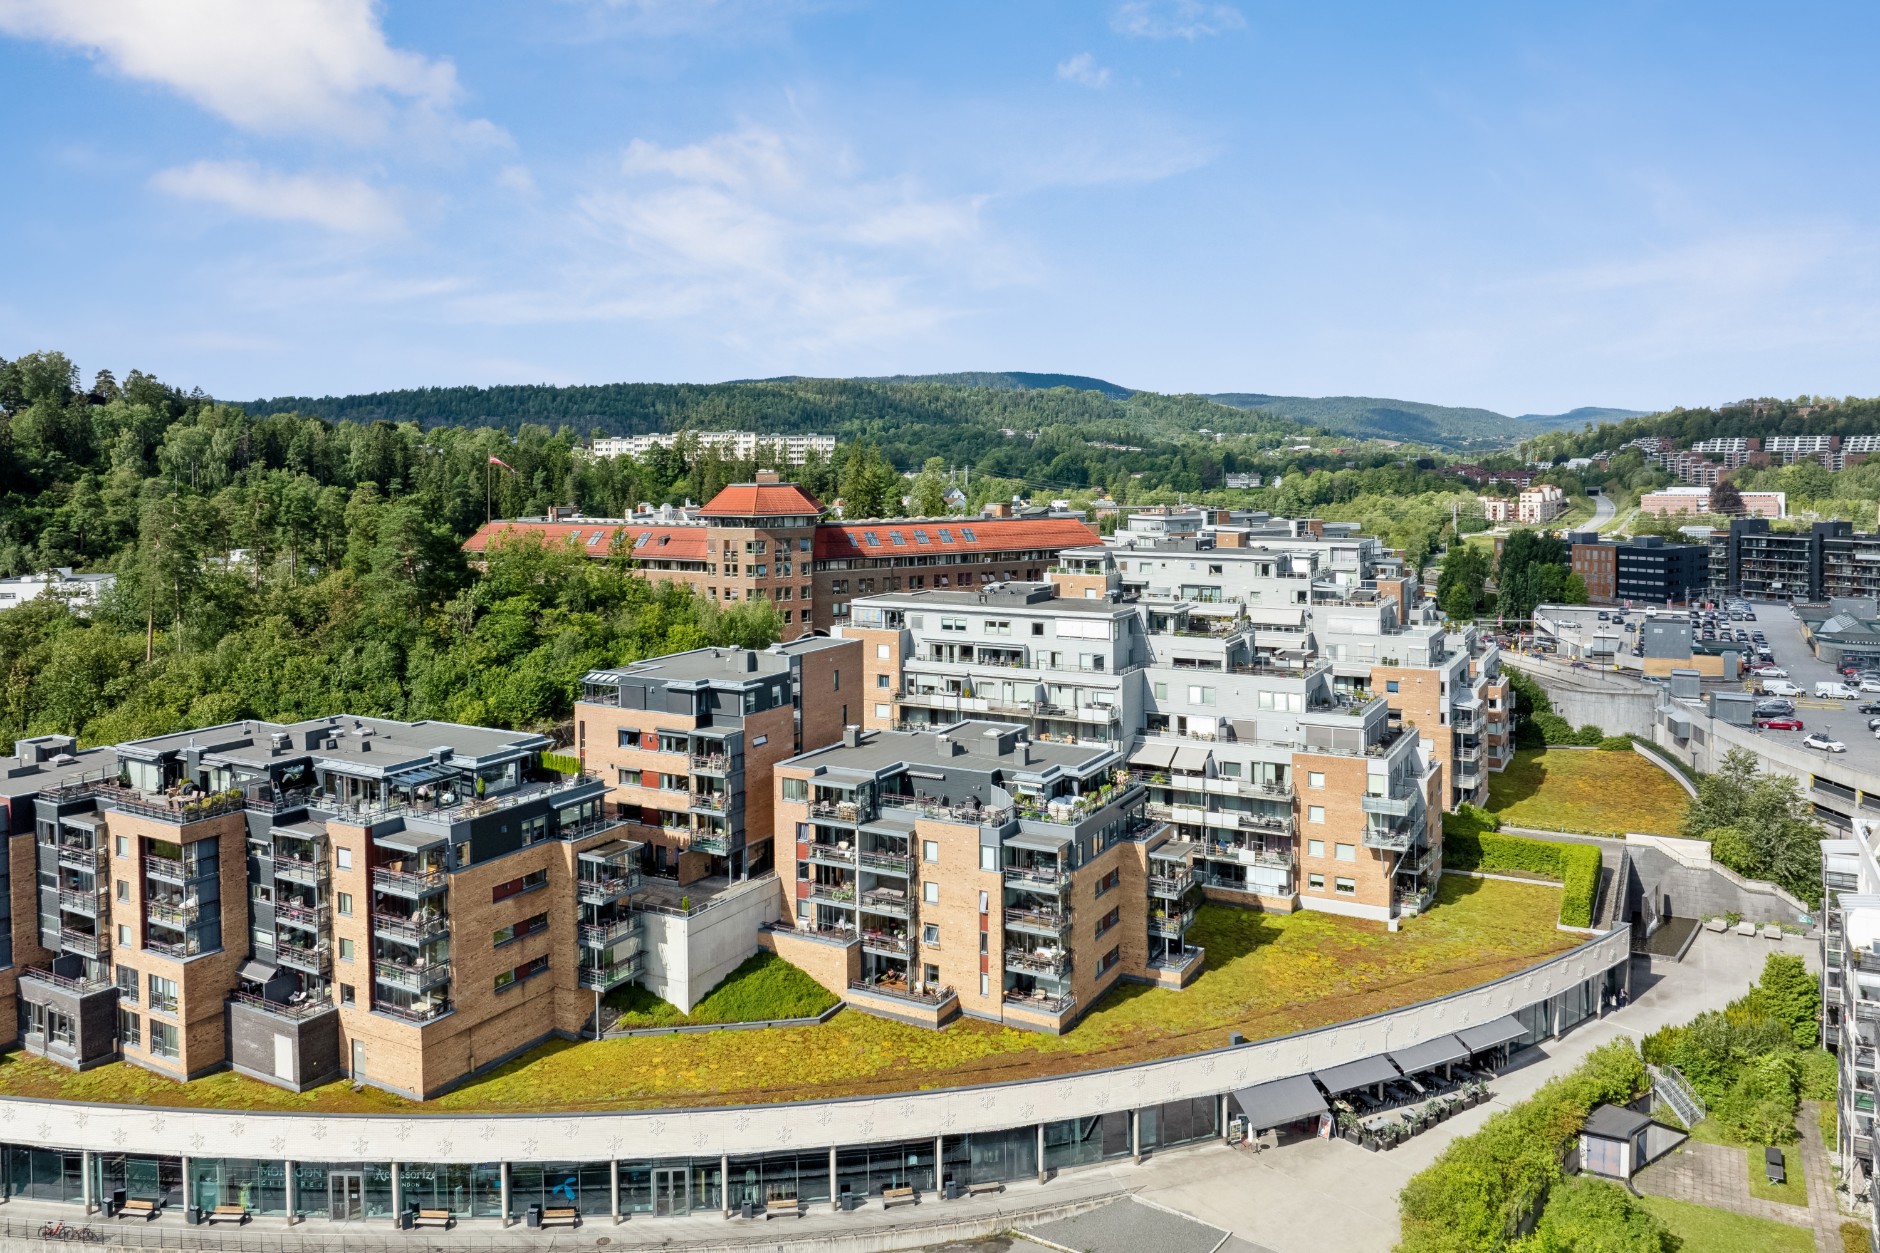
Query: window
{"points": [[930, 892], [130, 1029], [1109, 920], [1108, 881], [516, 887], [883, 652], [838, 680], [346, 996], [1315, 778], [883, 711], [1346, 887], [345, 904], [988, 860], [628, 778], [124, 936], [884, 682], [128, 983], [998, 626], [123, 889], [1315, 813], [930, 850], [516, 930], [1110, 959], [345, 950], [1161, 691], [163, 1037], [163, 994], [953, 624], [930, 934], [342, 857], [1037, 628], [534, 830], [1316, 882], [795, 789], [1315, 848], [120, 846], [527, 970], [1347, 852], [1200, 695], [1390, 685]]}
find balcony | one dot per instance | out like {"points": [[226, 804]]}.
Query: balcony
{"points": [[901, 992], [417, 976], [1392, 839], [847, 813], [934, 808], [887, 943], [297, 1012], [82, 944], [891, 904], [832, 854], [1172, 924], [172, 915], [169, 869], [604, 978], [1171, 886], [714, 843], [1055, 962], [306, 917], [412, 929], [66, 983], [833, 893], [711, 763], [180, 950], [1037, 878], [1387, 806], [594, 889], [80, 901], [1041, 1001], [1051, 922], [310, 958], [164, 808], [297, 869], [427, 1011], [707, 802], [607, 934], [88, 860], [888, 863], [408, 883]]}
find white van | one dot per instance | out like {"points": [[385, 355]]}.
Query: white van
{"points": [[1781, 687], [1835, 691]]}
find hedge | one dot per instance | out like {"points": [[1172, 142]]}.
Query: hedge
{"points": [[1480, 1192], [1574, 866]]}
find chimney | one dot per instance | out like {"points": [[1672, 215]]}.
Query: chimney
{"points": [[851, 737]]}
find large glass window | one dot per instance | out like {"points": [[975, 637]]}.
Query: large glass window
{"points": [[464, 1189], [343, 1191], [779, 1177], [672, 1186], [588, 1186], [865, 1170], [1080, 1141], [139, 1178], [992, 1156], [45, 1175], [260, 1187], [1179, 1122]]}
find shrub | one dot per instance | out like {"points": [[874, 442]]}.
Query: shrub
{"points": [[1586, 1214], [1483, 1186], [1574, 866], [1616, 744], [561, 763]]}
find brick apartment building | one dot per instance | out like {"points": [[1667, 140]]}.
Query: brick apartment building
{"points": [[768, 541]]}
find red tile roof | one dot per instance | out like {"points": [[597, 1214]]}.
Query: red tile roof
{"points": [[762, 500], [835, 541], [673, 543]]}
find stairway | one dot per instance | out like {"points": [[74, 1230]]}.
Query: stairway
{"points": [[1670, 1087]]}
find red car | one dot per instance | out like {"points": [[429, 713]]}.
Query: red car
{"points": [[1779, 724]]}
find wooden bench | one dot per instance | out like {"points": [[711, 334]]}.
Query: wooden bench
{"points": [[981, 1189], [433, 1218], [140, 1207], [226, 1214], [561, 1216], [788, 1206], [891, 1197]]}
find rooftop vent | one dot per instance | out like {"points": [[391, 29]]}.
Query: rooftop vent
{"points": [[851, 737]]}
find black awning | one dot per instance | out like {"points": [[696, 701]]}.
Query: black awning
{"points": [[1489, 1034], [1359, 1074], [409, 841], [1277, 1103], [256, 971], [1430, 1054]]}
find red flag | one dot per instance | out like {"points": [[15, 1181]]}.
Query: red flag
{"points": [[498, 461]]}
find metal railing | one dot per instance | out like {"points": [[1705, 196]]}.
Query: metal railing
{"points": [[607, 934], [887, 942], [67, 982], [414, 1013], [600, 889], [421, 882], [1049, 962], [894, 904], [172, 915], [1170, 885], [895, 863], [300, 869], [415, 929], [1045, 878], [1044, 1005], [934, 808], [82, 902], [414, 976], [171, 869], [1173, 924], [1051, 921], [900, 991], [711, 763], [297, 1012]]}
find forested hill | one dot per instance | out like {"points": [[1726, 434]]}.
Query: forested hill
{"points": [[1445, 426], [1805, 415], [1010, 380]]}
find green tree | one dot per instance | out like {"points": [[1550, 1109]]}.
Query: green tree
{"points": [[930, 489], [1725, 499], [1459, 585], [1766, 829], [1585, 1215], [1790, 995]]}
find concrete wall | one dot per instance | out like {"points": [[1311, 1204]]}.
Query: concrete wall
{"points": [[687, 957], [1676, 878], [1580, 697]]}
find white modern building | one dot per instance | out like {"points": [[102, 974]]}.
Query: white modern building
{"points": [[737, 445], [80, 591]]}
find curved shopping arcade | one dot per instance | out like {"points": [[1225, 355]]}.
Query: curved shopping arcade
{"points": [[376, 1168]]}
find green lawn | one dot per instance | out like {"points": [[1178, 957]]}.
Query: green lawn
{"points": [[765, 988], [1586, 790], [1706, 1230], [1794, 1192], [1266, 975]]}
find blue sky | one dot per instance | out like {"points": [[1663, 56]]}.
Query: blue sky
{"points": [[1517, 206]]}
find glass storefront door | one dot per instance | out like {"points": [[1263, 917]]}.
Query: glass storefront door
{"points": [[669, 1192], [345, 1195]]}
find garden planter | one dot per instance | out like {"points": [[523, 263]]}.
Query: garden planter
{"points": [[1370, 1142]]}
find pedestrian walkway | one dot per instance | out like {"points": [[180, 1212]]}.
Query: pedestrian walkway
{"points": [[1718, 1177]]}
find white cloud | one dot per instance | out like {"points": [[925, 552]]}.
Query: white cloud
{"points": [[317, 67], [1175, 19], [517, 179], [346, 205], [739, 19], [1083, 70]]}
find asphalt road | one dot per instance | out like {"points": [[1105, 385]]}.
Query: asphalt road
{"points": [[1836, 718], [1603, 511]]}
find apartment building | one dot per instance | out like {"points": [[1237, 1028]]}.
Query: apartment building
{"points": [[1540, 504], [972, 870], [81, 592], [1676, 500], [767, 541], [686, 744], [1850, 995], [402, 903], [735, 445], [1641, 571], [1499, 509]]}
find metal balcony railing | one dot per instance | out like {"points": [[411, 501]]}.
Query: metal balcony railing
{"points": [[408, 882], [1039, 961]]}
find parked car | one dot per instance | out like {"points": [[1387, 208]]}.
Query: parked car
{"points": [[1868, 683], [1771, 672], [1871, 707], [1873, 724], [1835, 691], [1816, 739], [1780, 687], [1780, 722]]}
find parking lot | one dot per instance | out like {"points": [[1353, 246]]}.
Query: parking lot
{"points": [[1838, 719]]}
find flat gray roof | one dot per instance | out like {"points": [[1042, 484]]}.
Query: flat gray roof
{"points": [[880, 750], [718, 665], [996, 603], [374, 744], [19, 778]]}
